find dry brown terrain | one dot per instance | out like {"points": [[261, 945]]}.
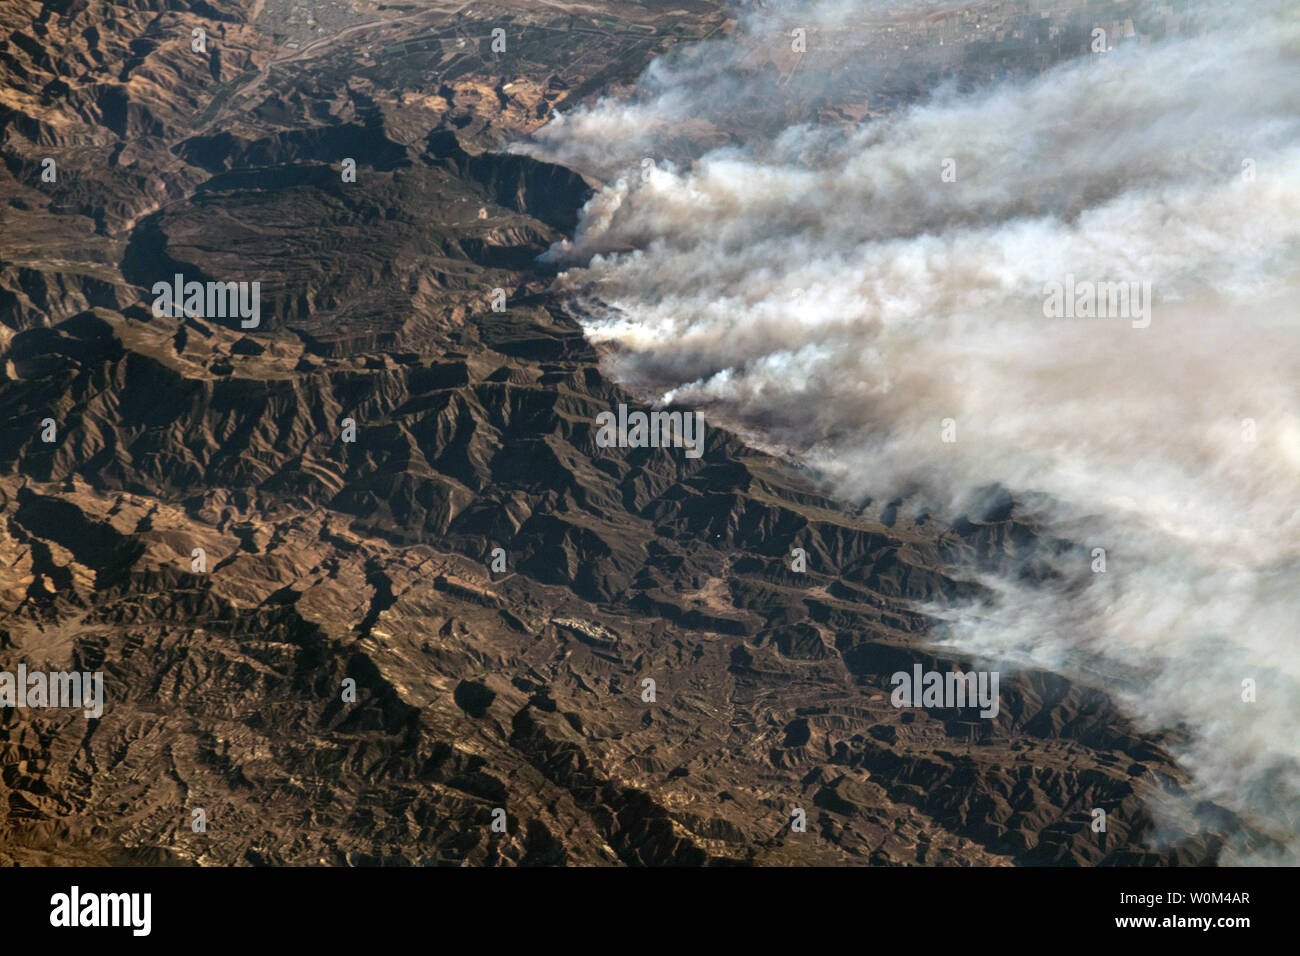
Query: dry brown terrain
{"points": [[370, 560]]}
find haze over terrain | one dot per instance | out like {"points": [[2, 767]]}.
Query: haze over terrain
{"points": [[365, 586], [825, 291]]}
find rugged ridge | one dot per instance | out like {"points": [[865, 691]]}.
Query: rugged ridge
{"points": [[371, 561]]}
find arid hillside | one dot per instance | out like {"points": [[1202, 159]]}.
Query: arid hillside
{"points": [[237, 525]]}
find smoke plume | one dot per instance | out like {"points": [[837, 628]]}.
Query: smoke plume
{"points": [[872, 296]]}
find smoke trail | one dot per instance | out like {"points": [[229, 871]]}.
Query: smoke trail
{"points": [[881, 299]]}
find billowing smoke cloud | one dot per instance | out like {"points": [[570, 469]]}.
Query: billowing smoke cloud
{"points": [[755, 84], [829, 291]]}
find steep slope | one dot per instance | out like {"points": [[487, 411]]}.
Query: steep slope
{"points": [[327, 561]]}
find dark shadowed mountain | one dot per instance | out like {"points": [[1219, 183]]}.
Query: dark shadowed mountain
{"points": [[327, 561]]}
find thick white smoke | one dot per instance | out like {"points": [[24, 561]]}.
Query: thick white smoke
{"points": [[826, 291]]}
